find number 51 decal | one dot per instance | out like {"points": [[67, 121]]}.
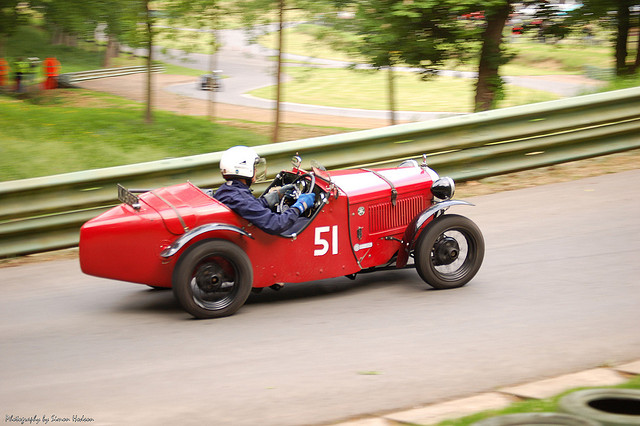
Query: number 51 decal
{"points": [[324, 243]]}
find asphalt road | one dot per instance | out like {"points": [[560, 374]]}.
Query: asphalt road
{"points": [[248, 66], [558, 293]]}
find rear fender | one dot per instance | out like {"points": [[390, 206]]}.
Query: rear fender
{"points": [[196, 232], [417, 224]]}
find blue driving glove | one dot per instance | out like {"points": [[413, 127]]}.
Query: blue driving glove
{"points": [[304, 202]]}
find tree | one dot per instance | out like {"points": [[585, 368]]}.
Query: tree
{"points": [[148, 116], [131, 22], [255, 17], [489, 86], [420, 33], [618, 13], [110, 18], [10, 18], [200, 15], [134, 25], [67, 20], [429, 34]]}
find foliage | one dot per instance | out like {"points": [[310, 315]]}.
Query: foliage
{"points": [[614, 14], [197, 15], [11, 17], [31, 41], [421, 33]]}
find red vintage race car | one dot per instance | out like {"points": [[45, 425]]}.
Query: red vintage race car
{"points": [[363, 220]]}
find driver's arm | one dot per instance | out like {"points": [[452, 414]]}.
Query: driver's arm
{"points": [[238, 198]]}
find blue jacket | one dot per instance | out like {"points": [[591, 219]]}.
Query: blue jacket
{"points": [[237, 196]]}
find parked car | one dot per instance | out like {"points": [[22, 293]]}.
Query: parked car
{"points": [[363, 220]]}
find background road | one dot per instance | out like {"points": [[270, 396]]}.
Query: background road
{"points": [[248, 66], [558, 293]]}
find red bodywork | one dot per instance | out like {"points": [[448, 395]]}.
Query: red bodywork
{"points": [[360, 226]]}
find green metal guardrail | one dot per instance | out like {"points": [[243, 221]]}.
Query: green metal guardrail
{"points": [[46, 213], [69, 79]]}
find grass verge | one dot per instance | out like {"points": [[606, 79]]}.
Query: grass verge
{"points": [[366, 89], [531, 406], [53, 137]]}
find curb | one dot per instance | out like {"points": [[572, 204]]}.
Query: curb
{"points": [[501, 398]]}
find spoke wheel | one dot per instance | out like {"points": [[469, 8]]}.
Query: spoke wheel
{"points": [[213, 279], [449, 252]]}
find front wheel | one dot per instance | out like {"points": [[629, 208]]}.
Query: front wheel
{"points": [[449, 252], [213, 279]]}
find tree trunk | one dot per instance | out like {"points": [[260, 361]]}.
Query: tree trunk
{"points": [[56, 36], [489, 83], [212, 69], [636, 64], [110, 52], [392, 96], [148, 118], [276, 125], [71, 40], [622, 37]]}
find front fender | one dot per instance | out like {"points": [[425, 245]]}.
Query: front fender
{"points": [[196, 232], [415, 227]]}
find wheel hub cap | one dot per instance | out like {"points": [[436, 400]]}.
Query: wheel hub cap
{"points": [[208, 278], [446, 251]]}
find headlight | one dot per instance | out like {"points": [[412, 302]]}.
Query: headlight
{"points": [[443, 188]]}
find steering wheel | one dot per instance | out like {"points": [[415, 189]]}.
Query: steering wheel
{"points": [[301, 186]]}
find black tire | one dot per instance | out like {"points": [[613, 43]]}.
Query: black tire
{"points": [[528, 419], [608, 406], [213, 279], [449, 252]]}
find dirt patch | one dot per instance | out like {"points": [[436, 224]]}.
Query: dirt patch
{"points": [[133, 87], [574, 79], [66, 254]]}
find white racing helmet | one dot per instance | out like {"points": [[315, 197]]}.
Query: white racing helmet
{"points": [[241, 162]]}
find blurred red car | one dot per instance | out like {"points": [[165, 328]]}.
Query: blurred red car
{"points": [[363, 220]]}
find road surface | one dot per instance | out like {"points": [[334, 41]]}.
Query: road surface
{"points": [[558, 293]]}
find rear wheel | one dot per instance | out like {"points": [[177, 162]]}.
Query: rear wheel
{"points": [[213, 279], [449, 252]]}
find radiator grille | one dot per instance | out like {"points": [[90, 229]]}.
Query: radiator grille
{"points": [[385, 216]]}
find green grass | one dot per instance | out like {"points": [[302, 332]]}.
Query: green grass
{"points": [[528, 406], [624, 82], [40, 140], [367, 89]]}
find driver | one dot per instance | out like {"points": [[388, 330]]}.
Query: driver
{"points": [[238, 168]]}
